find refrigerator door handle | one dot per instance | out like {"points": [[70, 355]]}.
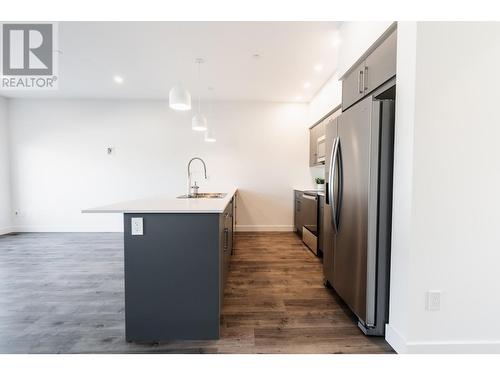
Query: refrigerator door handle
{"points": [[340, 193], [331, 182]]}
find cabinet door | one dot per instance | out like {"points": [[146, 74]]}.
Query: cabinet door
{"points": [[226, 243], [380, 65], [231, 230], [314, 133], [320, 146], [312, 146], [352, 86], [227, 239]]}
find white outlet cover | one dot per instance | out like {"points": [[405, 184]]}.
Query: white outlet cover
{"points": [[433, 302], [137, 225]]}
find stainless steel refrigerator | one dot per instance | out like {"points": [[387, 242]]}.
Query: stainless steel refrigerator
{"points": [[358, 207]]}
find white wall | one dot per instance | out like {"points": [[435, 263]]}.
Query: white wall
{"points": [[5, 210], [447, 205], [326, 99], [356, 38], [59, 163]]}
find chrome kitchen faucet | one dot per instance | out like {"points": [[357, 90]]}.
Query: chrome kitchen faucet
{"points": [[193, 190]]}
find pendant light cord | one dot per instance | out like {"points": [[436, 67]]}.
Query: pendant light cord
{"points": [[199, 87]]}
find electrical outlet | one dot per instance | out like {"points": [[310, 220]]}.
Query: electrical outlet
{"points": [[19, 214], [137, 226], [433, 300]]}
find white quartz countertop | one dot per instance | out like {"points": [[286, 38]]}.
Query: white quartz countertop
{"points": [[168, 204], [319, 192]]}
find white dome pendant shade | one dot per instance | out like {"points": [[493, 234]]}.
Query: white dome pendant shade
{"points": [[199, 122], [179, 98], [209, 135]]}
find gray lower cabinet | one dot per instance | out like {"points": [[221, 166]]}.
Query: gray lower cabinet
{"points": [[297, 216], [175, 275]]}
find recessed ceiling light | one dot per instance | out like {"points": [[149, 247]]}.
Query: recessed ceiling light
{"points": [[307, 85], [118, 79], [298, 97], [318, 67]]}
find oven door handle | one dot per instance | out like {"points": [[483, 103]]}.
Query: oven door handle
{"points": [[311, 197]]}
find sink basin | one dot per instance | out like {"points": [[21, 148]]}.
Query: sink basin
{"points": [[203, 195]]}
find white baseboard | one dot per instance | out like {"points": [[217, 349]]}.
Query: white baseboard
{"points": [[6, 230], [401, 346], [263, 228], [395, 339]]}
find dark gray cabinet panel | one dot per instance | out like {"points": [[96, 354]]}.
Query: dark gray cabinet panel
{"points": [[380, 65], [172, 278]]}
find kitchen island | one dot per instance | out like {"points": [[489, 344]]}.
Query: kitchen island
{"points": [[177, 254]]}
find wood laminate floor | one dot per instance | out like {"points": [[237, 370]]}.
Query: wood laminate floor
{"points": [[63, 293]]}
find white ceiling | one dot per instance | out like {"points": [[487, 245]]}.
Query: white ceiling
{"points": [[153, 56]]}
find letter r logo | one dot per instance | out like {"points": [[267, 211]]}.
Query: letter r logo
{"points": [[27, 49]]}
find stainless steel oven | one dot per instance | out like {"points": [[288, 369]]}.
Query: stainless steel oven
{"points": [[310, 220]]}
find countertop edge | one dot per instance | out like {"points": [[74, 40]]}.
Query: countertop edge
{"points": [[223, 201]]}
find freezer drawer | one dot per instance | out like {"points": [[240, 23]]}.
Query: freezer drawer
{"points": [[310, 240]]}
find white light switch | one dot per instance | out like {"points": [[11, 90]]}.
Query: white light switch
{"points": [[137, 226]]}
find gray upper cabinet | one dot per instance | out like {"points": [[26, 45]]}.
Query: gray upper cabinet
{"points": [[317, 144], [352, 86], [378, 67]]}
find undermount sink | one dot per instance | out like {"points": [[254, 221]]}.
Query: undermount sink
{"points": [[203, 195]]}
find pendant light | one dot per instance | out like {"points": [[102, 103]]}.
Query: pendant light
{"points": [[199, 122], [179, 98], [209, 133]]}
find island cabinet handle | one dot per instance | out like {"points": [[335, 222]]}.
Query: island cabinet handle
{"points": [[226, 237]]}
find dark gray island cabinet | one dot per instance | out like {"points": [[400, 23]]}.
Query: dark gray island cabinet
{"points": [[176, 269]]}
